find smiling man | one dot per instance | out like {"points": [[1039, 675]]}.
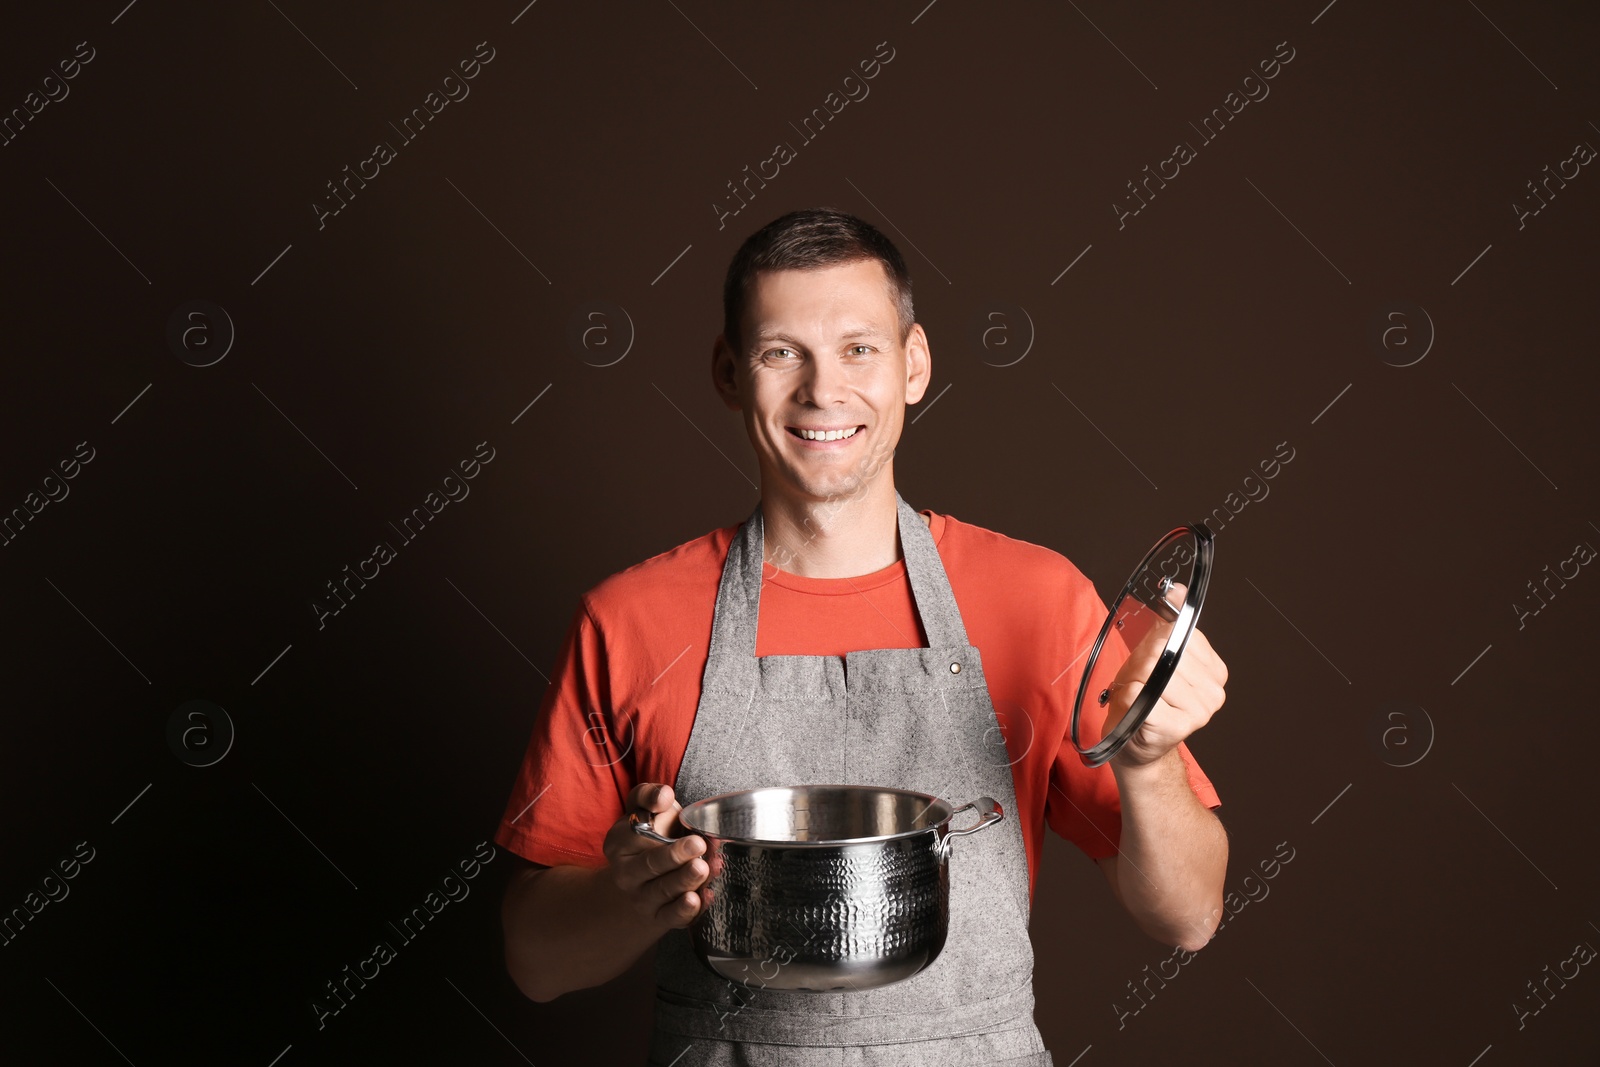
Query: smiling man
{"points": [[839, 636]]}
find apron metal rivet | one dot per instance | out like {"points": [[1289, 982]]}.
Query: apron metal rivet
{"points": [[955, 668]]}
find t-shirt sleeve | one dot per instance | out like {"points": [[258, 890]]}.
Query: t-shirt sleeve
{"points": [[578, 767], [1084, 806]]}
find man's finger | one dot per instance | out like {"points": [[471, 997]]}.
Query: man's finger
{"points": [[648, 858], [674, 860], [682, 851], [690, 875], [681, 910], [1143, 657], [1195, 696], [650, 797], [1206, 654], [638, 866]]}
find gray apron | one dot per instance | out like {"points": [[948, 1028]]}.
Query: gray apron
{"points": [[916, 718]]}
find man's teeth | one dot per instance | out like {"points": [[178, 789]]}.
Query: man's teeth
{"points": [[828, 435]]}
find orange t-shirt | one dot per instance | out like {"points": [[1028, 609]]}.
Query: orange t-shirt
{"points": [[621, 704]]}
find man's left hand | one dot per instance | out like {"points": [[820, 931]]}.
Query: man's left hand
{"points": [[1192, 696]]}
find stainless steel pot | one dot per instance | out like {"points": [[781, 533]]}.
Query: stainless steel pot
{"points": [[823, 888]]}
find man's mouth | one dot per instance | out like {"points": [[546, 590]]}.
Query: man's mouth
{"points": [[825, 434]]}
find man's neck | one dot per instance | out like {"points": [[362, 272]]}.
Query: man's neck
{"points": [[841, 538]]}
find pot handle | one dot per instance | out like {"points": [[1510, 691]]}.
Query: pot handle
{"points": [[991, 814], [641, 826]]}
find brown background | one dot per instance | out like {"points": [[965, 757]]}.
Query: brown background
{"points": [[379, 350]]}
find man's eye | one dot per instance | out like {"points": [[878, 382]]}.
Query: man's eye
{"points": [[861, 350], [780, 353]]}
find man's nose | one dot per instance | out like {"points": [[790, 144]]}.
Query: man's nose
{"points": [[823, 383]]}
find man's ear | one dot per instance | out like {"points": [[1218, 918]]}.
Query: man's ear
{"points": [[725, 373], [919, 363]]}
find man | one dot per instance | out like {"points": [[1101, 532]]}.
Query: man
{"points": [[738, 660]]}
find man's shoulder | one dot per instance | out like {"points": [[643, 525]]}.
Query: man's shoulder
{"points": [[964, 544], [665, 579], [1013, 592]]}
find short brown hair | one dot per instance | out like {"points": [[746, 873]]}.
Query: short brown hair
{"points": [[808, 240]]}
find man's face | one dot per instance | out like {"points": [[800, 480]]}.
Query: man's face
{"points": [[824, 377]]}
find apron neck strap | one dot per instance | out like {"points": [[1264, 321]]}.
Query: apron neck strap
{"points": [[930, 585]]}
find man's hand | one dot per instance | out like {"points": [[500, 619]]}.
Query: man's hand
{"points": [[659, 880], [574, 927], [1192, 696]]}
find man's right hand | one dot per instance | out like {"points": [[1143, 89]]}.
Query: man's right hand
{"points": [[659, 880], [577, 926]]}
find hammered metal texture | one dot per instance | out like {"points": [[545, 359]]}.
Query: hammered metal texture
{"points": [[883, 900]]}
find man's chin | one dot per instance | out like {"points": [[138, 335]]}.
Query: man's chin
{"points": [[825, 492]]}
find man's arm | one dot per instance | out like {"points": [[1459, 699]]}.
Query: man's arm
{"points": [[1173, 854], [570, 927]]}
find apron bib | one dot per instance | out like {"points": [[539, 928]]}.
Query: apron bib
{"points": [[916, 718]]}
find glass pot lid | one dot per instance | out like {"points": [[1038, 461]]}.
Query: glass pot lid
{"points": [[1155, 612]]}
